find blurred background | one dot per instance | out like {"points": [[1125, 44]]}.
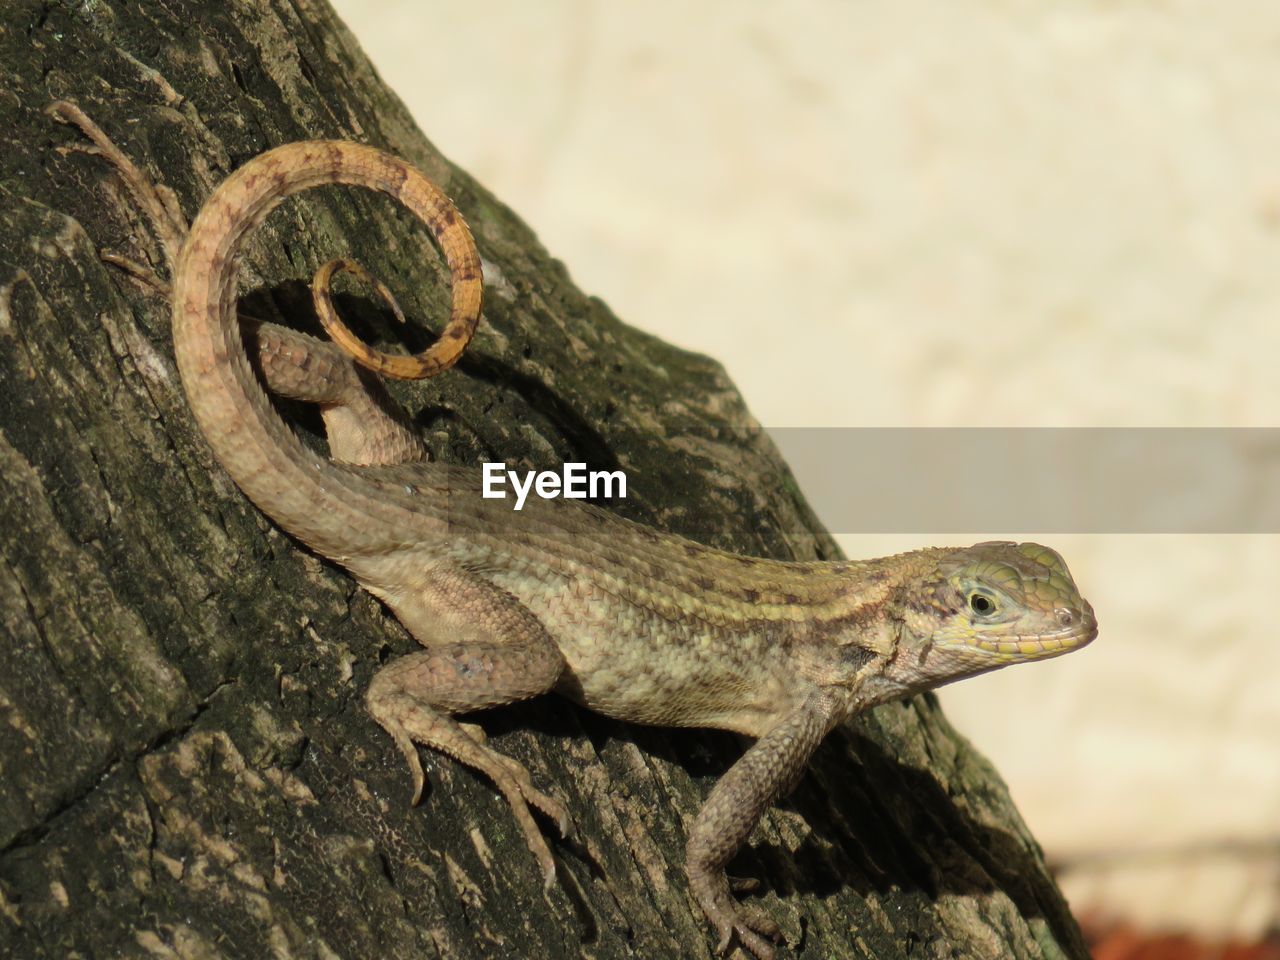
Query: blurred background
{"points": [[979, 213]]}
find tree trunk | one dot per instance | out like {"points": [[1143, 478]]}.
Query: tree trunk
{"points": [[187, 766]]}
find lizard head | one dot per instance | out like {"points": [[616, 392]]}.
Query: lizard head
{"points": [[988, 606]]}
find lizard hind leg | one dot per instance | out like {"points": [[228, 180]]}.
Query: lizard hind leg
{"points": [[483, 649], [157, 201]]}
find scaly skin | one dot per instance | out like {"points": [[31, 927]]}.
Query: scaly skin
{"points": [[629, 621]]}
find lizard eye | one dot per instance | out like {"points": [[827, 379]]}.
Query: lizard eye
{"points": [[982, 604]]}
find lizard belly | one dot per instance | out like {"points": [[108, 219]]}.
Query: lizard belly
{"points": [[628, 662]]}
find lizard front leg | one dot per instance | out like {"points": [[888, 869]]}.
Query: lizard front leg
{"points": [[735, 806], [483, 649]]}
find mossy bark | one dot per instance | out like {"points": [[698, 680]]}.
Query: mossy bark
{"points": [[186, 766]]}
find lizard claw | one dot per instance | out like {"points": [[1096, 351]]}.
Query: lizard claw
{"points": [[415, 764], [553, 808], [564, 825], [556, 811], [548, 876]]}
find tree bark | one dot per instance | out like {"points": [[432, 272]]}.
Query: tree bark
{"points": [[186, 766]]}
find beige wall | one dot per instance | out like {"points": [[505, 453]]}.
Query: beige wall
{"points": [[966, 213]]}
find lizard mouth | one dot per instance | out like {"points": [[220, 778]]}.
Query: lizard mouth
{"points": [[1076, 628], [1040, 645]]}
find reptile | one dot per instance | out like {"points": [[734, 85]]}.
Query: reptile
{"points": [[629, 621]]}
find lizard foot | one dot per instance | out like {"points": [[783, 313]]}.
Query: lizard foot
{"points": [[747, 926], [751, 930], [410, 722], [157, 201]]}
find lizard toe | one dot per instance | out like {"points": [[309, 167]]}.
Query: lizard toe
{"points": [[750, 942], [553, 808], [744, 884], [410, 753]]}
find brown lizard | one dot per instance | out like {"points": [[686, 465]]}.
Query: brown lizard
{"points": [[629, 621]]}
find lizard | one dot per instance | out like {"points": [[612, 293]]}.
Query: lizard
{"points": [[635, 623]]}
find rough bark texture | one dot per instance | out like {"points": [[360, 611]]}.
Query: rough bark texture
{"points": [[186, 767]]}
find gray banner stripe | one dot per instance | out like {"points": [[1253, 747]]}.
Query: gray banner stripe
{"points": [[1055, 480]]}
